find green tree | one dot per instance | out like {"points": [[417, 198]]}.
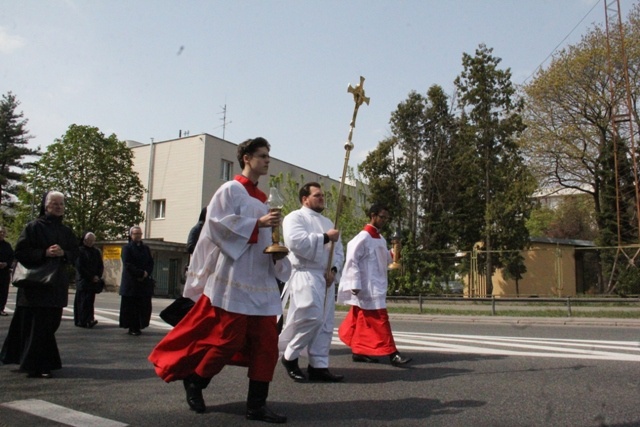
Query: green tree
{"points": [[492, 125], [571, 140], [95, 172], [408, 129], [14, 138], [540, 221], [352, 217], [381, 174]]}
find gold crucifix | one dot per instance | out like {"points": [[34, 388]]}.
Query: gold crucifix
{"points": [[358, 98]]}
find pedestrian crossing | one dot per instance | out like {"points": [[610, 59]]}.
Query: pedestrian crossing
{"points": [[516, 346], [465, 344]]}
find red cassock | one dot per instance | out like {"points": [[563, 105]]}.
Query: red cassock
{"points": [[368, 332], [208, 338]]}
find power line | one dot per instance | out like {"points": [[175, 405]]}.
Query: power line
{"points": [[561, 42]]}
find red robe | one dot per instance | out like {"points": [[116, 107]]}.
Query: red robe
{"points": [[368, 332], [209, 337]]}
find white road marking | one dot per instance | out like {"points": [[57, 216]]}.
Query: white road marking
{"points": [[516, 346], [60, 414], [476, 344]]}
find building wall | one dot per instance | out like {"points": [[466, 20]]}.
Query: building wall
{"points": [[178, 179]]}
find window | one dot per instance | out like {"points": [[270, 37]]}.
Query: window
{"points": [[226, 170], [159, 209]]}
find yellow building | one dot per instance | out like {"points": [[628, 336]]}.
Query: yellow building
{"points": [[555, 268]]}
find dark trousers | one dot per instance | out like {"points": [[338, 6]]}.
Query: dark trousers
{"points": [[83, 307]]}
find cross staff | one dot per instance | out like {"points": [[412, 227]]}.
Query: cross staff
{"points": [[358, 98]]}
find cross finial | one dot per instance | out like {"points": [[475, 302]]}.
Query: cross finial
{"points": [[358, 98]]}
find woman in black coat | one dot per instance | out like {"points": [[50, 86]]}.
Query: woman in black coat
{"points": [[136, 286], [89, 269], [31, 340]]}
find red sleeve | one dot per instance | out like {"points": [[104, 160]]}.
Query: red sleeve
{"points": [[254, 235]]}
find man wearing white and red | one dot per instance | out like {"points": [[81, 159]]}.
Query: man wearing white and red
{"points": [[310, 237], [234, 319], [363, 285]]}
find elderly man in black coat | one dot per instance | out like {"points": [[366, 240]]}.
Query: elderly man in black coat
{"points": [[89, 270], [136, 286]]}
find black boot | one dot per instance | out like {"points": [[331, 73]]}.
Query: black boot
{"points": [[257, 404], [193, 385], [293, 370]]}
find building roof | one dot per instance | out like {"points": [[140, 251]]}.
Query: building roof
{"points": [[566, 242]]}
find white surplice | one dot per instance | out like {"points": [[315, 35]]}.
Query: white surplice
{"points": [[236, 275], [365, 269]]}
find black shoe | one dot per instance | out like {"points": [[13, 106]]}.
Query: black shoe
{"points": [[323, 374], [265, 414], [194, 396], [363, 359], [93, 323], [293, 370], [398, 360], [3, 313], [134, 332]]}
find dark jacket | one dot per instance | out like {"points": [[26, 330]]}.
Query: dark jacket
{"points": [[136, 259], [6, 255], [31, 249], [88, 265], [194, 235]]}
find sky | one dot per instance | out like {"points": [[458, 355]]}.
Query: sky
{"points": [[143, 69]]}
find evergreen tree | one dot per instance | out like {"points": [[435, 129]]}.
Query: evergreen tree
{"points": [[14, 138], [493, 124]]}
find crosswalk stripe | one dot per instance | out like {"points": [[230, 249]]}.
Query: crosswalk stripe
{"points": [[60, 414], [516, 346]]}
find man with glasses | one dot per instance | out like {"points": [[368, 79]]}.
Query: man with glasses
{"points": [[363, 285]]}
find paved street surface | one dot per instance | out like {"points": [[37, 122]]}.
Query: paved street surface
{"points": [[467, 371]]}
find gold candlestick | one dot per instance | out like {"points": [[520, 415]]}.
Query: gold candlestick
{"points": [[276, 202], [397, 248]]}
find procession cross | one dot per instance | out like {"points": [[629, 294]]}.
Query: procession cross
{"points": [[358, 98]]}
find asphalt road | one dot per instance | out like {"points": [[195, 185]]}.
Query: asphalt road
{"points": [[466, 371]]}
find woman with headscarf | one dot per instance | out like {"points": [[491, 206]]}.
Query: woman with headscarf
{"points": [[31, 340], [136, 286], [89, 269]]}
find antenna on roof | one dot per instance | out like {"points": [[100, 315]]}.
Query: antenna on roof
{"points": [[224, 119]]}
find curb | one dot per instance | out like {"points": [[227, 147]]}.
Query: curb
{"points": [[519, 321]]}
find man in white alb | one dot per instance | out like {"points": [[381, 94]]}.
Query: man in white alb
{"points": [[311, 289]]}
